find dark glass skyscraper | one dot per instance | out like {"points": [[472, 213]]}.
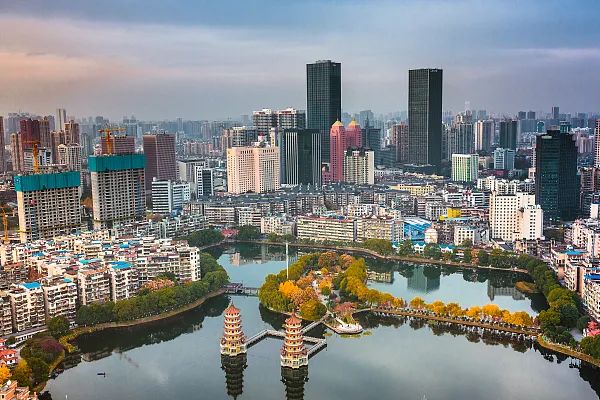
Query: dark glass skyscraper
{"points": [[425, 117], [507, 134], [556, 182], [323, 99], [300, 156]]}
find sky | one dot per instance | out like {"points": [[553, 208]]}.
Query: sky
{"points": [[201, 59]]}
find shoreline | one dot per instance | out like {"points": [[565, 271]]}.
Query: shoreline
{"points": [[416, 260], [76, 332]]}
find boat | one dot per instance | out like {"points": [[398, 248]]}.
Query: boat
{"points": [[347, 329], [102, 374]]}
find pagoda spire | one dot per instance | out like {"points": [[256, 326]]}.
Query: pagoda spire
{"points": [[293, 352], [233, 341]]}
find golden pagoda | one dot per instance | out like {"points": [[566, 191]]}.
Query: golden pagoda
{"points": [[233, 341], [293, 352]]}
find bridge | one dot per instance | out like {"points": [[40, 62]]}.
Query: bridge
{"points": [[236, 288], [512, 329], [317, 344]]}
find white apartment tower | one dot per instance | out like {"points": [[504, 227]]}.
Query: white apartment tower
{"points": [[465, 167], [359, 166], [253, 169]]}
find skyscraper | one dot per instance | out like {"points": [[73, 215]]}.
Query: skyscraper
{"points": [[460, 136], [300, 155], [400, 141], [323, 99], [508, 134], [339, 145], [597, 144], [290, 118], [465, 167], [555, 113], [253, 169], [359, 166], [484, 135], [159, 149], [30, 132], [264, 120], [205, 181], [354, 135], [556, 182], [2, 149], [118, 190], [61, 119], [72, 132], [425, 116]]}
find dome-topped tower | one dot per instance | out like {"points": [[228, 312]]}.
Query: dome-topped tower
{"points": [[293, 352], [233, 341]]}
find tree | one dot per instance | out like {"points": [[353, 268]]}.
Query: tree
{"points": [[432, 250], [39, 369], [380, 246], [549, 318], [4, 374], [406, 248], [326, 291], [568, 315], [468, 255], [417, 303], [205, 237], [58, 326], [582, 322], [273, 237], [312, 310], [483, 257], [248, 232], [22, 373], [328, 260], [467, 243]]}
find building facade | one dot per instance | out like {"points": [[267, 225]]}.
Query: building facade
{"points": [[253, 169]]}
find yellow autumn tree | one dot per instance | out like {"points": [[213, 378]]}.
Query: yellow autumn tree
{"points": [[289, 289], [398, 302], [474, 312], [520, 318], [454, 310], [4, 373], [491, 310], [417, 302], [437, 307]]}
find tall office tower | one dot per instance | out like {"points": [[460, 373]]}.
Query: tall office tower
{"points": [[159, 149], [338, 146], [48, 204], [300, 155], [264, 120], [45, 139], [508, 134], [16, 150], [425, 117], [365, 116], [238, 136], [371, 139], [30, 132], [168, 196], [121, 144], [70, 155], [556, 113], [205, 181], [521, 115], [253, 169], [484, 135], [290, 118], [460, 137], [323, 99], [400, 141], [359, 166], [118, 190], [504, 159], [597, 144], [565, 127], [465, 167], [530, 114], [556, 182], [61, 119], [2, 147], [72, 132], [131, 126], [540, 127]]}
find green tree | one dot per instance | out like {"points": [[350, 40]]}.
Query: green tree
{"points": [[312, 310], [468, 256], [432, 250], [248, 232], [205, 237], [22, 373], [58, 326], [549, 317], [39, 369], [380, 246], [406, 248], [483, 257], [568, 315]]}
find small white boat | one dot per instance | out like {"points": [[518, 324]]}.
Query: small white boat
{"points": [[348, 329]]}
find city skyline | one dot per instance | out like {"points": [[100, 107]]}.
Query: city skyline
{"points": [[213, 61]]}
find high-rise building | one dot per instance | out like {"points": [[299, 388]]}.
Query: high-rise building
{"points": [[507, 132], [400, 142], [118, 190], [168, 197], [484, 135], [2, 147], [16, 150], [72, 132], [61, 119], [159, 149], [556, 182], [300, 155], [359, 166], [205, 181], [121, 144], [504, 159], [338, 146], [555, 113], [465, 167], [264, 120], [371, 139], [48, 204], [45, 140], [530, 114], [238, 136], [253, 169], [504, 214], [70, 155], [460, 137], [597, 144], [323, 99], [354, 135], [290, 118], [425, 117], [30, 132]]}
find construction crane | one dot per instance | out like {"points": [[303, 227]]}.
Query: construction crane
{"points": [[5, 224], [108, 137]]}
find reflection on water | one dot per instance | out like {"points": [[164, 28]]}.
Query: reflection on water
{"points": [[179, 358]]}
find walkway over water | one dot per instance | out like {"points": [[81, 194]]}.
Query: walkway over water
{"points": [[237, 288], [528, 331], [317, 344]]}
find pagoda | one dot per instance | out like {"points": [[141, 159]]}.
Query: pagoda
{"points": [[233, 341], [234, 374], [293, 352]]}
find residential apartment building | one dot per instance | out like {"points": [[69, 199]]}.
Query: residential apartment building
{"points": [[326, 229], [60, 297], [253, 169], [28, 307]]}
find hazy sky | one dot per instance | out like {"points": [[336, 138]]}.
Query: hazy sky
{"points": [[213, 59]]}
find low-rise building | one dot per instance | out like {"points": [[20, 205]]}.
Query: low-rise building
{"points": [[324, 228]]}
